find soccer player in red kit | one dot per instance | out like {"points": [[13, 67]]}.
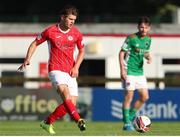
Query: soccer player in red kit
{"points": [[62, 67]]}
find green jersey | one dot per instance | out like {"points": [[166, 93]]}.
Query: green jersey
{"points": [[135, 47]]}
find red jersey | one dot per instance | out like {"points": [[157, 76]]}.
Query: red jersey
{"points": [[61, 47]]}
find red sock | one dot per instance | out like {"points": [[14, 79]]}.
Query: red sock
{"points": [[59, 112], [71, 109]]}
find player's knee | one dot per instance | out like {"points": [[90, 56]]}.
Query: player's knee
{"points": [[127, 101], [144, 98], [63, 91], [62, 88], [73, 100]]}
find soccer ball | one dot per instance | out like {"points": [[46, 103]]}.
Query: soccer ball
{"points": [[142, 123]]}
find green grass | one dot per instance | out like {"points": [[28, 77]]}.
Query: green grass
{"points": [[31, 128]]}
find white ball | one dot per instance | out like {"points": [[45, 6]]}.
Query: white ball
{"points": [[142, 123]]}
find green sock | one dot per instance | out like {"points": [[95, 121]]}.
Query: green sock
{"points": [[126, 115], [132, 114]]}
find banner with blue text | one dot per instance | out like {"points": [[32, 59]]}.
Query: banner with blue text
{"points": [[163, 105]]}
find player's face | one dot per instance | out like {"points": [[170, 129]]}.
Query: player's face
{"points": [[69, 21], [144, 29]]}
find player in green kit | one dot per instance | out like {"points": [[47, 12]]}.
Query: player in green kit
{"points": [[134, 50]]}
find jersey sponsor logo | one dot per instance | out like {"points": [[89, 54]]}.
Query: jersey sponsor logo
{"points": [[140, 51], [137, 50], [70, 38]]}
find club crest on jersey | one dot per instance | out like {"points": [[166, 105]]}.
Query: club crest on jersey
{"points": [[146, 44], [70, 38]]}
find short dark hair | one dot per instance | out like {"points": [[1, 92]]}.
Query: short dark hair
{"points": [[144, 19], [69, 9]]}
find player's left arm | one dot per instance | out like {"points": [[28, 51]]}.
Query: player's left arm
{"points": [[81, 52], [75, 70], [147, 56]]}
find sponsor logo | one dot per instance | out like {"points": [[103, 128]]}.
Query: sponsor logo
{"points": [[27, 104], [140, 51], [7, 105], [116, 109], [166, 110]]}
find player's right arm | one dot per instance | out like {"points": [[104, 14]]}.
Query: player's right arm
{"points": [[122, 65], [29, 54], [125, 47], [39, 39]]}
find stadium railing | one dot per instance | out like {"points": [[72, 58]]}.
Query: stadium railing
{"points": [[90, 80]]}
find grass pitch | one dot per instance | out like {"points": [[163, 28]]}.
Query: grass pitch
{"points": [[32, 128]]}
